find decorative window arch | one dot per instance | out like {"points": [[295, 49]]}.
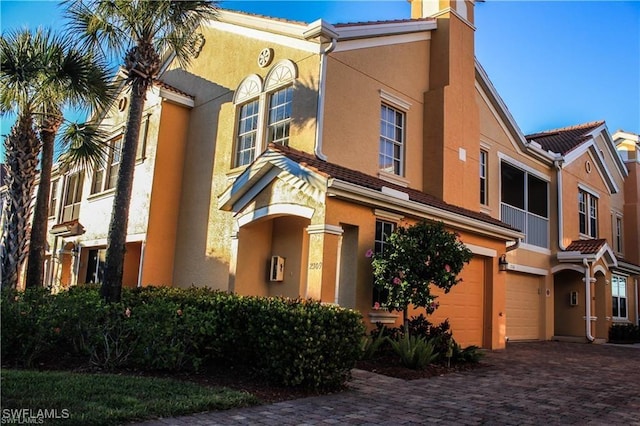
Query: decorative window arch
{"points": [[250, 87], [283, 72]]}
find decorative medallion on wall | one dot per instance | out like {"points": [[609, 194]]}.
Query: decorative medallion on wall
{"points": [[265, 57], [587, 166], [122, 104]]}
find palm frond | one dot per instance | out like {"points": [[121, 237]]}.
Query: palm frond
{"points": [[84, 145]]}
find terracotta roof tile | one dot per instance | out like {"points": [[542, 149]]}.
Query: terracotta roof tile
{"points": [[390, 21], [586, 246], [166, 86], [565, 139], [361, 179]]}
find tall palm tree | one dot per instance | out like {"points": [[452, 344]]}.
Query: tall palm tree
{"points": [[68, 77], [139, 32], [21, 150]]}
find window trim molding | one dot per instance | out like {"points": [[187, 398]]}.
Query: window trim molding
{"points": [[520, 165], [395, 100]]}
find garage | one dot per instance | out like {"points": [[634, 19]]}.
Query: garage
{"points": [[464, 305], [523, 307]]}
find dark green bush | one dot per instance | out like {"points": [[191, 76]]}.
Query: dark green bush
{"points": [[624, 333], [290, 342]]}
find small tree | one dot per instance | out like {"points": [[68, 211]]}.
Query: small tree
{"points": [[414, 258]]}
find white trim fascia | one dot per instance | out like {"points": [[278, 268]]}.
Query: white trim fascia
{"points": [[527, 269], [591, 149], [613, 152], [453, 12], [131, 238], [589, 190], [396, 100], [275, 209], [481, 251], [270, 35], [325, 229], [387, 215], [535, 249], [393, 178], [255, 189], [383, 29], [394, 193], [567, 267], [263, 23], [376, 198], [599, 268], [512, 161], [176, 98], [367, 43], [626, 267]]}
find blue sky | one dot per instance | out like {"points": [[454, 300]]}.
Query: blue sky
{"points": [[554, 63]]}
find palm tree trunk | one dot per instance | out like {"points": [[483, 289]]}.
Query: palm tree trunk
{"points": [[111, 289], [21, 155], [37, 244]]}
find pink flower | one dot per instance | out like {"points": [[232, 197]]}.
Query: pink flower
{"points": [[447, 268], [376, 306], [179, 312], [369, 253], [127, 312], [397, 281]]}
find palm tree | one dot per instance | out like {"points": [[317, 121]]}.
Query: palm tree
{"points": [[139, 32], [41, 73], [21, 151], [68, 77]]}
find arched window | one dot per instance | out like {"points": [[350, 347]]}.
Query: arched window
{"points": [[264, 111]]}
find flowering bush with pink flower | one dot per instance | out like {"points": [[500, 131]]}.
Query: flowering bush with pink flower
{"points": [[415, 258]]}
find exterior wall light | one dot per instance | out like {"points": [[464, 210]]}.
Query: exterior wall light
{"points": [[502, 263]]}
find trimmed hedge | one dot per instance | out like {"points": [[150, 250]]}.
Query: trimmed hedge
{"points": [[624, 333], [290, 342]]}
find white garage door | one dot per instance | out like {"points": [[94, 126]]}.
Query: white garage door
{"points": [[523, 307]]}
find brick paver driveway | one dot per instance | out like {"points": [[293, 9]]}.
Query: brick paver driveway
{"points": [[541, 383]]}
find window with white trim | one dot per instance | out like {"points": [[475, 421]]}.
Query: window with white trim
{"points": [[53, 197], [588, 214], [392, 129], [264, 111], [484, 199], [383, 230], [619, 296], [105, 178], [72, 197], [617, 232]]}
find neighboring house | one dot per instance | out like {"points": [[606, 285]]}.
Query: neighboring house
{"points": [[274, 169], [81, 200]]}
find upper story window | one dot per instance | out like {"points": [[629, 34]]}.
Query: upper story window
{"points": [[392, 129], [619, 296], [105, 178], [72, 197], [588, 213], [264, 111], [483, 178], [524, 203], [617, 232], [53, 197]]}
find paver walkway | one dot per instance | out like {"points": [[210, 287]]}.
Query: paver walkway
{"points": [[538, 383]]}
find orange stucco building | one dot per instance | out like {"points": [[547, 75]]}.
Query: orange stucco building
{"points": [[272, 170]]}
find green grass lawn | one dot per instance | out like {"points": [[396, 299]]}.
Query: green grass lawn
{"points": [[107, 399]]}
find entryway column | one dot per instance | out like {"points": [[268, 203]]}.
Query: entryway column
{"points": [[322, 266]]}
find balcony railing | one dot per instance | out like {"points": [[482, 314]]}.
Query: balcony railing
{"points": [[535, 228]]}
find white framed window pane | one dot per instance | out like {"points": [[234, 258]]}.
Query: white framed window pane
{"points": [[280, 116], [247, 132], [391, 139]]}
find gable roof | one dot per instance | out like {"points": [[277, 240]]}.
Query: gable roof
{"points": [[565, 139], [591, 250], [341, 181]]}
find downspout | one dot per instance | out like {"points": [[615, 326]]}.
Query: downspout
{"points": [[321, 91], [558, 166], [637, 321], [143, 245], [587, 296]]}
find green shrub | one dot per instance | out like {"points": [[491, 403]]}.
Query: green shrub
{"points": [[371, 344], [415, 352], [290, 342], [624, 333]]}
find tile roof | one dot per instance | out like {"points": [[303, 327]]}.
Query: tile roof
{"points": [[565, 139], [166, 86], [586, 246], [389, 21], [332, 170]]}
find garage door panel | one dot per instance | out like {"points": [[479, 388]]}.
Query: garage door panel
{"points": [[523, 307], [464, 305]]}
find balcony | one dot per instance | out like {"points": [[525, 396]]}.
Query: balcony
{"points": [[535, 228]]}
